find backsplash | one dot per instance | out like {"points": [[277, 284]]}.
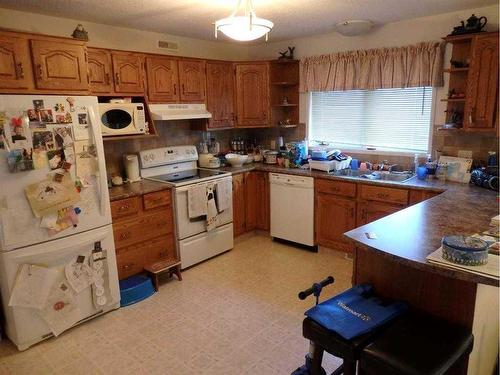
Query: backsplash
{"points": [[175, 133], [180, 133]]}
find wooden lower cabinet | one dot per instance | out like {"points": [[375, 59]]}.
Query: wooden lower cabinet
{"points": [[370, 211], [143, 231], [257, 200], [417, 196], [250, 202], [239, 204], [334, 216]]}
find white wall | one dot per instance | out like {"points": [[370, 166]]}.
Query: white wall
{"points": [[390, 35], [106, 36]]}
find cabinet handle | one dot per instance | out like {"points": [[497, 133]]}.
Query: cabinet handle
{"points": [[117, 78], [335, 189], [19, 71], [183, 89], [125, 207], [352, 212], [126, 266], [107, 79], [39, 71], [125, 236], [471, 116], [175, 89], [383, 195]]}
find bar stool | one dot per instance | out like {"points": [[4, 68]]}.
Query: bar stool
{"points": [[418, 344], [326, 340]]}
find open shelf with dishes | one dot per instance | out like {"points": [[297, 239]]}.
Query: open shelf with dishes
{"points": [[284, 93]]}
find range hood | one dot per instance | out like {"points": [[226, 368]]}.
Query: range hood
{"points": [[167, 112]]}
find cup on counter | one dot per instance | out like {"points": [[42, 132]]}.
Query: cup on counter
{"points": [[355, 164], [421, 172]]}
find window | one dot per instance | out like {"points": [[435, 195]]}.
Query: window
{"points": [[385, 119]]}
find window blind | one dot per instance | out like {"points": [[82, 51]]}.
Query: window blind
{"points": [[387, 119]]}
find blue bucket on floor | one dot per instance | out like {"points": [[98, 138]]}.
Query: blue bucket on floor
{"points": [[135, 289]]}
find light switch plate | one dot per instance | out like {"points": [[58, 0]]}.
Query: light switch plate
{"points": [[467, 154]]}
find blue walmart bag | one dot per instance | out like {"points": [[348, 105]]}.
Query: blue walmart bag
{"points": [[355, 312]]}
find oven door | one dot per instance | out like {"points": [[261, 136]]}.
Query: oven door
{"points": [[187, 227], [118, 121]]}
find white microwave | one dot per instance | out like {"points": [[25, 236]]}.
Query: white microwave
{"points": [[122, 119]]}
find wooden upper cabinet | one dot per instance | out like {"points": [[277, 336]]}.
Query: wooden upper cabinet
{"points": [[59, 65], [192, 81], [100, 71], [163, 79], [128, 72], [252, 95], [334, 216], [482, 87], [15, 64], [220, 94]]}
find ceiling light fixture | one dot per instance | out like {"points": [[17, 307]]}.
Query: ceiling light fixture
{"points": [[246, 26], [354, 27]]}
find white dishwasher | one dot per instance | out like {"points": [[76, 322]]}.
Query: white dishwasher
{"points": [[292, 208]]}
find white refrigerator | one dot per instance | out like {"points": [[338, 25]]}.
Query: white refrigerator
{"points": [[34, 235]]}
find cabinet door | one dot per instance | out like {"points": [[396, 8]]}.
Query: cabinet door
{"points": [[220, 94], [192, 80], [15, 64], [417, 196], [100, 71], [128, 74], [163, 79], [334, 217], [482, 84], [252, 95], [257, 200], [239, 200], [371, 211], [59, 65]]}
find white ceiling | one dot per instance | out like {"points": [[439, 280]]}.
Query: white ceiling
{"points": [[194, 18]]}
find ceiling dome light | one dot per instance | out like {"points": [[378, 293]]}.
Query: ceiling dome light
{"points": [[244, 27], [353, 27]]}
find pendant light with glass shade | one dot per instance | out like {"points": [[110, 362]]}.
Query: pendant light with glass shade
{"points": [[244, 27]]}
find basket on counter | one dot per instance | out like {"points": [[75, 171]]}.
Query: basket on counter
{"points": [[469, 251]]}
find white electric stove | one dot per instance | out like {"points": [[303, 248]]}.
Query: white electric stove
{"points": [[177, 167]]}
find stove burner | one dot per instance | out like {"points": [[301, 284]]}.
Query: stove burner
{"points": [[185, 176]]}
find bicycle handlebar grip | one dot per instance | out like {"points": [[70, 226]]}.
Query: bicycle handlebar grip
{"points": [[306, 293]]}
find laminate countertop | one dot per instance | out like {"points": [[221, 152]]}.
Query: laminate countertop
{"points": [[410, 235], [134, 189]]}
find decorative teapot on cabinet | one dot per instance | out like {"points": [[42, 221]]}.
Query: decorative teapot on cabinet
{"points": [[475, 24]]}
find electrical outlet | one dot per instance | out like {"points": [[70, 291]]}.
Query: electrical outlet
{"points": [[467, 154]]}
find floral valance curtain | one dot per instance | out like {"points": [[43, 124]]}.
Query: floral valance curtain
{"points": [[398, 67]]}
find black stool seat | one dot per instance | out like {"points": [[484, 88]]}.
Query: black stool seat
{"points": [[417, 344], [332, 342]]}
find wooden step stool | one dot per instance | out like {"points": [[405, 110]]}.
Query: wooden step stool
{"points": [[161, 266]]}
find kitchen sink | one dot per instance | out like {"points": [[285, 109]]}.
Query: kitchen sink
{"points": [[382, 176]]}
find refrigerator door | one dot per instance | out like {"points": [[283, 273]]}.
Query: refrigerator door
{"points": [[18, 225], [23, 325]]}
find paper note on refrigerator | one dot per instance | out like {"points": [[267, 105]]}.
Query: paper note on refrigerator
{"points": [[61, 311], [79, 274], [32, 286], [48, 196]]}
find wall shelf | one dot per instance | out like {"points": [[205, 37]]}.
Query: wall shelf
{"points": [[284, 83], [455, 70], [454, 100]]}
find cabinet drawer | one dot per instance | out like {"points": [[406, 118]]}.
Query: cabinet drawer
{"points": [[384, 194], [130, 262], [347, 189], [133, 231], [157, 199], [131, 259], [125, 207], [162, 247]]}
